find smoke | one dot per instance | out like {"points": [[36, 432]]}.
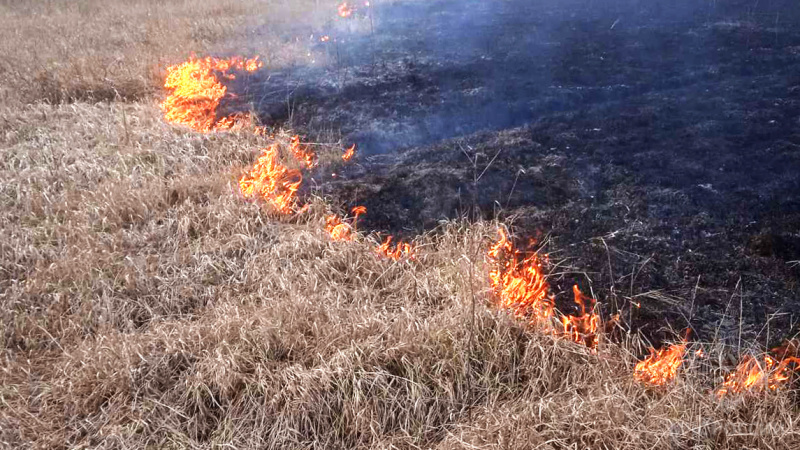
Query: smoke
{"points": [[408, 73]]}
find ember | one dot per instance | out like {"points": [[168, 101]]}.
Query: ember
{"points": [[272, 182], [196, 91], [660, 367], [346, 10]]}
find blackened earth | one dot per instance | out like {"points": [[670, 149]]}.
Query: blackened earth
{"points": [[656, 143]]}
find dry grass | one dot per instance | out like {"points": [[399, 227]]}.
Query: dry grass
{"points": [[144, 303], [99, 50]]}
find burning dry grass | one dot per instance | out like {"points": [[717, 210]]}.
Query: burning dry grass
{"points": [[146, 303]]}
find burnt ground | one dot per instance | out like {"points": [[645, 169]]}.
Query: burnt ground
{"points": [[656, 143]]}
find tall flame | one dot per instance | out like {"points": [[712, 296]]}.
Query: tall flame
{"points": [[583, 328], [519, 284], [272, 182], [196, 91], [348, 154], [660, 367]]}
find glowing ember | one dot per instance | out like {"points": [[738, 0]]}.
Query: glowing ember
{"points": [[325, 38], [303, 152], [196, 91], [346, 10], [519, 284], [272, 182], [348, 154], [396, 251], [758, 375], [582, 329], [660, 367]]}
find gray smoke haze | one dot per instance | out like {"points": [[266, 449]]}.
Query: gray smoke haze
{"points": [[408, 73]]}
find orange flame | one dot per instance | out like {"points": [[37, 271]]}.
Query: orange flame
{"points": [[582, 329], [753, 374], [196, 91], [397, 251], [660, 367], [303, 153], [340, 230], [348, 154], [272, 181], [519, 284]]}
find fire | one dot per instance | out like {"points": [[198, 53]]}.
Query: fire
{"points": [[346, 10], [196, 91], [272, 182], [357, 211], [303, 153], [325, 38], [340, 230], [582, 329], [348, 154], [519, 284], [771, 372], [660, 367], [397, 251]]}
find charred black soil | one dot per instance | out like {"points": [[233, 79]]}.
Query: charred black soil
{"points": [[657, 144]]}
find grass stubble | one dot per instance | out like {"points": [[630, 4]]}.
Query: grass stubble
{"points": [[144, 303]]}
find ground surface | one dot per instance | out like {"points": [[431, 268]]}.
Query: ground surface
{"points": [[658, 144], [144, 303]]}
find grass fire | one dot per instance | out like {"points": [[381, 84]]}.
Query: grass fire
{"points": [[431, 224]]}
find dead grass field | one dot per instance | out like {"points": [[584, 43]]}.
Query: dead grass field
{"points": [[145, 304]]}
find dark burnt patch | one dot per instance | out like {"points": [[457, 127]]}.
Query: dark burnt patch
{"points": [[657, 143]]}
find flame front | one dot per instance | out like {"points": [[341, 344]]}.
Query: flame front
{"points": [[583, 328], [196, 91], [272, 182], [519, 284], [660, 367], [768, 373]]}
